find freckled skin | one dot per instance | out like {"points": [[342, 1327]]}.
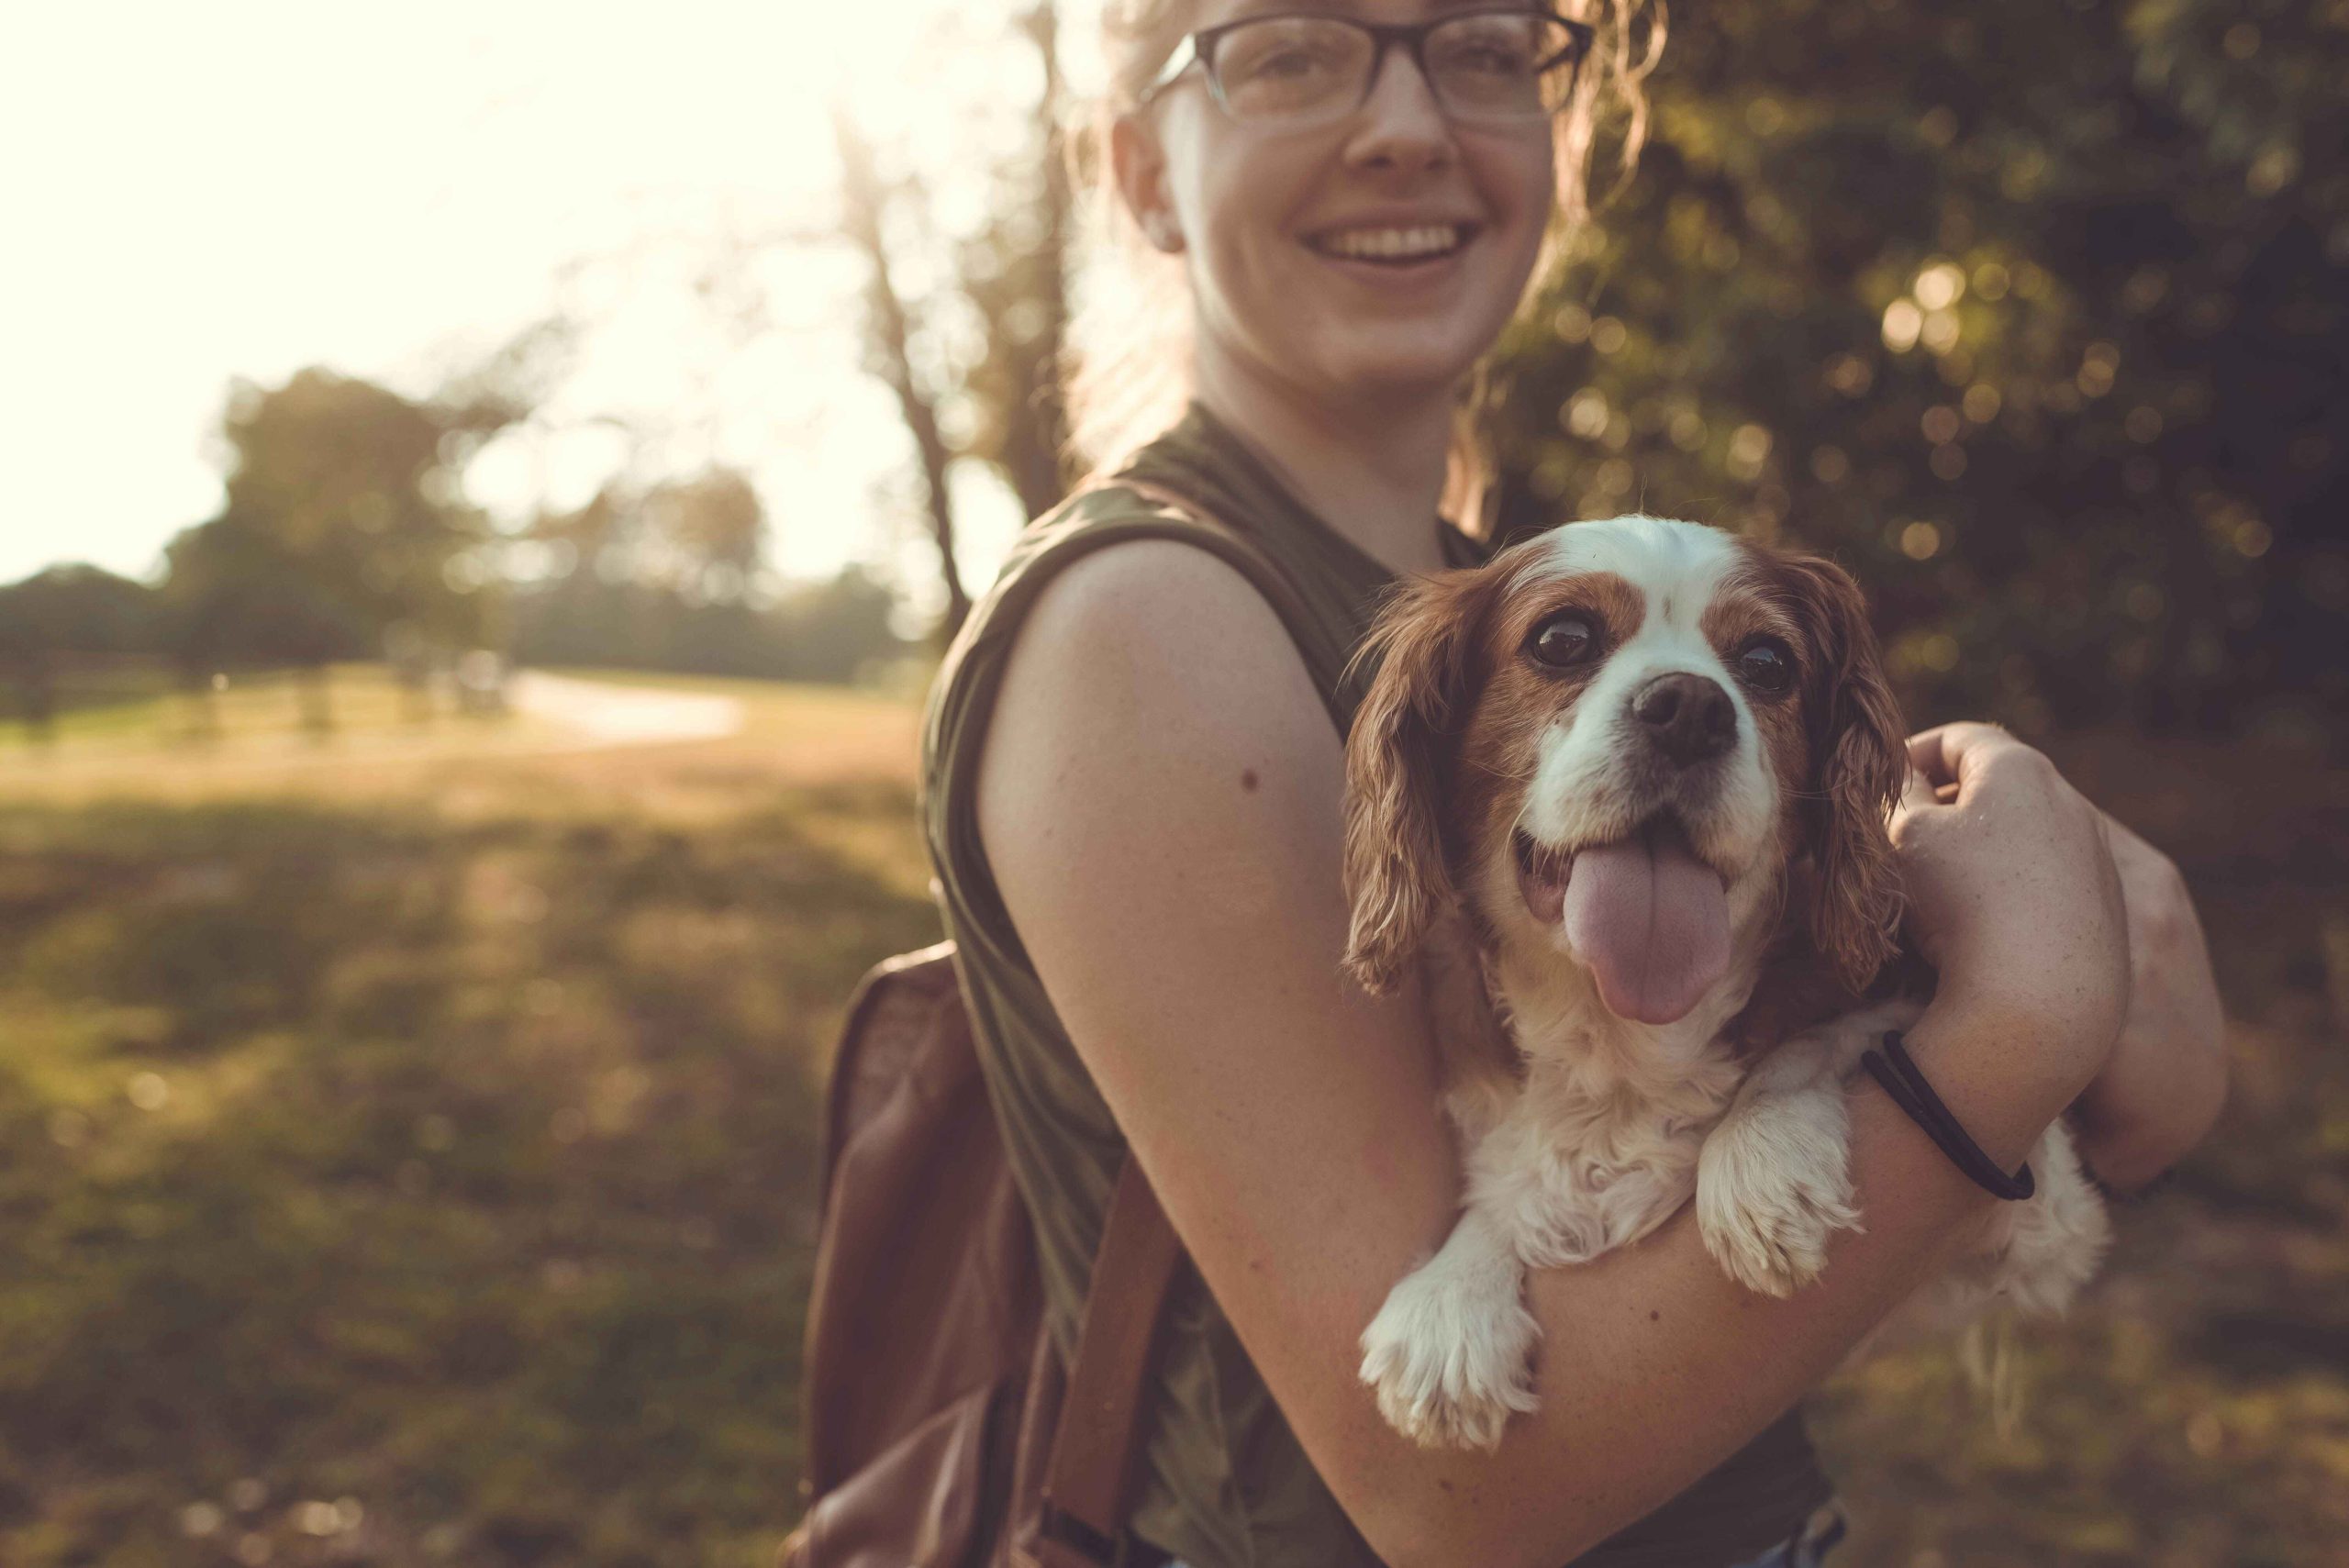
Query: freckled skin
{"points": [[1248, 780]]}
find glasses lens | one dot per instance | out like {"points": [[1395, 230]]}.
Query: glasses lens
{"points": [[1502, 64], [1292, 67]]}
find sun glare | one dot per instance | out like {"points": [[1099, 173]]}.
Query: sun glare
{"points": [[240, 190]]}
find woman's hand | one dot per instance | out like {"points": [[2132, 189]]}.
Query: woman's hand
{"points": [[2014, 897], [2167, 1078]]}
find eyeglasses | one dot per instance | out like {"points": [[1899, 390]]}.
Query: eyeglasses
{"points": [[1499, 66]]}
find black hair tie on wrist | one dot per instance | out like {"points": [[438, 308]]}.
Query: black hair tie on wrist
{"points": [[1901, 1078]]}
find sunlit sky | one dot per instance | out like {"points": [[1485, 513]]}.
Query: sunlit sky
{"points": [[196, 192]]}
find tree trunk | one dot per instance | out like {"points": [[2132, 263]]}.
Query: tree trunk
{"points": [[1039, 420], [886, 331]]}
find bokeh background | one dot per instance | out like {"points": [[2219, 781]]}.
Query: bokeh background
{"points": [[486, 489]]}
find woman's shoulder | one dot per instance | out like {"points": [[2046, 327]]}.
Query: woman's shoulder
{"points": [[1130, 564], [1154, 621], [1111, 607]]}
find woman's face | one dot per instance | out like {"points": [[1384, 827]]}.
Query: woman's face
{"points": [[1266, 215]]}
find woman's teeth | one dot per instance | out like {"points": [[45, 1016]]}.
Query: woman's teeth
{"points": [[1391, 244]]}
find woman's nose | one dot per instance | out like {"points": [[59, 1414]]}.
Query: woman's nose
{"points": [[1400, 123]]}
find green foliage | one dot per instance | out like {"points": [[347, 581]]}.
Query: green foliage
{"points": [[57, 621], [344, 520], [76, 610], [2031, 313], [670, 578], [835, 631]]}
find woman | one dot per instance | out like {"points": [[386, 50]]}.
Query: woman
{"points": [[1133, 789]]}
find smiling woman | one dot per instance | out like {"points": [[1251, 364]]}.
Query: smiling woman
{"points": [[1537, 86], [1132, 777]]}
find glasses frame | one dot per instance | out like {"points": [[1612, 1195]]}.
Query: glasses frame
{"points": [[1199, 49]]}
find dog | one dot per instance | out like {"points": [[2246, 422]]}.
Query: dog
{"points": [[1633, 776]]}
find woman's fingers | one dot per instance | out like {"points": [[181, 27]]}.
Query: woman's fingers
{"points": [[1949, 754], [1917, 790], [2012, 892]]}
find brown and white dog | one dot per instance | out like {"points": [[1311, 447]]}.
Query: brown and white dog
{"points": [[1642, 770]]}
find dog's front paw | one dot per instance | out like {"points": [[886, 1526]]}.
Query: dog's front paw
{"points": [[1449, 1359], [1773, 1184]]}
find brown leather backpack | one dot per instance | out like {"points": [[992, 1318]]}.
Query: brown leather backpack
{"points": [[941, 1430]]}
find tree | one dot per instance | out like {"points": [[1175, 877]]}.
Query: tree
{"points": [[344, 520], [973, 365], [839, 630], [672, 577], [2031, 313], [49, 618]]}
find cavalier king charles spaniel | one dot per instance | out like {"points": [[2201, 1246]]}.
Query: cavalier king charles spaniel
{"points": [[1633, 777]]}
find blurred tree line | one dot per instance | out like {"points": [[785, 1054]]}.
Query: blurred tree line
{"points": [[345, 534], [668, 577], [2031, 313]]}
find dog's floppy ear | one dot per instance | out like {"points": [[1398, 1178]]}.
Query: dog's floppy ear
{"points": [[1398, 763], [1858, 755]]}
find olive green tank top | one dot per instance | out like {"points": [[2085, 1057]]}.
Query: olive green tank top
{"points": [[1226, 1484]]}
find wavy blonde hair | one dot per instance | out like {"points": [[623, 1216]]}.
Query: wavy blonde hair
{"points": [[1127, 372]]}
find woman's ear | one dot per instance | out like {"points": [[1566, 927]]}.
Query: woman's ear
{"points": [[1858, 754], [1139, 165], [1399, 764]]}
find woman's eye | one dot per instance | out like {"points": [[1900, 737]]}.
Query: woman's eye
{"points": [[1292, 63], [1562, 640], [1766, 665], [1488, 58]]}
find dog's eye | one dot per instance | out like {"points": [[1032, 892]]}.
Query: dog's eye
{"points": [[1766, 665], [1562, 640]]}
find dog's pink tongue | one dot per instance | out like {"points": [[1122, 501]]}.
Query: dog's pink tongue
{"points": [[1652, 921]]}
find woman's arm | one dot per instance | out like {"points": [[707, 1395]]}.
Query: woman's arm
{"points": [[1160, 804], [2167, 1080]]}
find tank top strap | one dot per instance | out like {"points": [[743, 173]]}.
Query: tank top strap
{"points": [[1122, 511], [1327, 657]]}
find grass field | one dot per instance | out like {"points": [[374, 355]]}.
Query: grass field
{"points": [[409, 1143]]}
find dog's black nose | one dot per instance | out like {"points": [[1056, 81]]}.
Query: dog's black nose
{"points": [[1688, 717]]}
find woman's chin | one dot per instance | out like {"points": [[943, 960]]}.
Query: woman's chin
{"points": [[1397, 364]]}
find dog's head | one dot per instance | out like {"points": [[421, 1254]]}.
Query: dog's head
{"points": [[1618, 739]]}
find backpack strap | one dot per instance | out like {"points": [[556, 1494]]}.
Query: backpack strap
{"points": [[1088, 1477]]}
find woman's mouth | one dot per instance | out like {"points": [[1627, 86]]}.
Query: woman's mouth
{"points": [[1393, 245]]}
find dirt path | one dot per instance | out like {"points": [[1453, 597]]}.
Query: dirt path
{"points": [[605, 714], [550, 716]]}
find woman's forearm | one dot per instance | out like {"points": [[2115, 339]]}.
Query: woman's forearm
{"points": [[1654, 1366]]}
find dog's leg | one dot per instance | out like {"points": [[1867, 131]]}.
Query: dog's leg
{"points": [[1448, 1354], [1774, 1179], [2059, 1236], [2033, 1256]]}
